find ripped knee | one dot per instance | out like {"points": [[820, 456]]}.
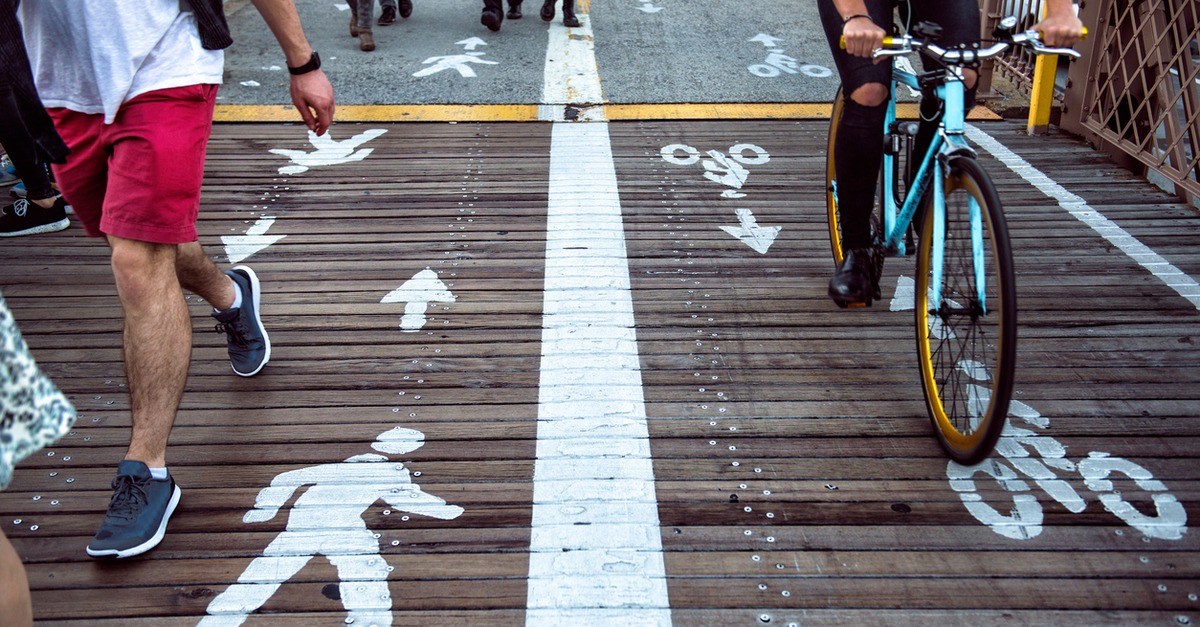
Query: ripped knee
{"points": [[870, 94]]}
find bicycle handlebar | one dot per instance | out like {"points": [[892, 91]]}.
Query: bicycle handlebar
{"points": [[898, 46]]}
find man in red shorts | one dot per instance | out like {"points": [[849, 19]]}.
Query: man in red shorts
{"points": [[132, 91]]}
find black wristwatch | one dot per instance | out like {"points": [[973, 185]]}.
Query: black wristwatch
{"points": [[314, 63]]}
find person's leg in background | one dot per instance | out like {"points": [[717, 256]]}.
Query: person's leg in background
{"points": [[42, 210]]}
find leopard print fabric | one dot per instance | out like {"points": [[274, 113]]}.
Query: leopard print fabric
{"points": [[33, 413]]}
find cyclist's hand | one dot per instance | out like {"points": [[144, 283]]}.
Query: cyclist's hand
{"points": [[1060, 31], [862, 37]]}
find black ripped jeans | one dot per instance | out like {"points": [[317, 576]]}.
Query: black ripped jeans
{"points": [[858, 151]]}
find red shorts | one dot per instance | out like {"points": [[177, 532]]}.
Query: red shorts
{"points": [[139, 177]]}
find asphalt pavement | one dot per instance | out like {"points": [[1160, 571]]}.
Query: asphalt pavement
{"points": [[647, 52]]}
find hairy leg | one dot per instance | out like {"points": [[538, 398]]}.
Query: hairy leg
{"points": [[158, 342], [199, 275]]}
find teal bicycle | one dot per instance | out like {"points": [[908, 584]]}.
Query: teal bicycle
{"points": [[965, 290]]}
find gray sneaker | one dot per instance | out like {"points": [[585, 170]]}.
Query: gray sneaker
{"points": [[137, 513], [249, 346]]}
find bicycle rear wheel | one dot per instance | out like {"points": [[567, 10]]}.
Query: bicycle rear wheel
{"points": [[831, 196], [831, 200], [967, 347]]}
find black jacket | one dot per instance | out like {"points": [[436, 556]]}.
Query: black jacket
{"points": [[16, 78]]}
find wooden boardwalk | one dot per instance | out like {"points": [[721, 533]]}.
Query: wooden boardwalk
{"points": [[796, 476]]}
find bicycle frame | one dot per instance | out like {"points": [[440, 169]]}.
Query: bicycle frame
{"points": [[947, 142]]}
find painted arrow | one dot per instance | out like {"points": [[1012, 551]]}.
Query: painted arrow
{"points": [[647, 7], [471, 44], [239, 247], [417, 293], [757, 237], [766, 40]]}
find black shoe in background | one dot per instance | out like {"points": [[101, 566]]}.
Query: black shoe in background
{"points": [[387, 16], [514, 10], [405, 8], [492, 19], [548, 10]]}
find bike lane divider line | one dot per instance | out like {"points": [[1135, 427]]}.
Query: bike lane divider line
{"points": [[1172, 276], [595, 546]]}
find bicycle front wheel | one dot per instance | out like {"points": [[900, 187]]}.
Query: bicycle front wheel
{"points": [[967, 343]]}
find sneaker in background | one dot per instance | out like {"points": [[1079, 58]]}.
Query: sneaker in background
{"points": [[137, 513], [387, 16], [25, 218], [249, 346]]}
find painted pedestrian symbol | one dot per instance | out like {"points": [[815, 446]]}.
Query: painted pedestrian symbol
{"points": [[328, 151], [458, 62], [778, 62], [729, 170], [327, 519]]}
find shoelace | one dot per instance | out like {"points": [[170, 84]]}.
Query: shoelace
{"points": [[234, 332], [129, 497]]}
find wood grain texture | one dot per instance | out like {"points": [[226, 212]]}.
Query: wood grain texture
{"points": [[791, 448]]}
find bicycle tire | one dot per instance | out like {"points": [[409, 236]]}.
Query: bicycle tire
{"points": [[831, 201], [967, 356], [833, 216]]}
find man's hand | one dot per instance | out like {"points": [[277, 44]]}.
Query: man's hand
{"points": [[862, 36], [313, 96]]}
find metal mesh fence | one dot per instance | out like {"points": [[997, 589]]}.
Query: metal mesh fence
{"points": [[1137, 92]]}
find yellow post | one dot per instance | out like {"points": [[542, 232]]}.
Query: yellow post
{"points": [[1041, 98]]}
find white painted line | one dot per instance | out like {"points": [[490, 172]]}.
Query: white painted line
{"points": [[1173, 277], [596, 546], [571, 76]]}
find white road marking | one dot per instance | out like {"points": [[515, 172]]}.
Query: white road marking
{"points": [[596, 549], [239, 247], [1175, 278], [328, 151], [416, 294], [750, 233]]}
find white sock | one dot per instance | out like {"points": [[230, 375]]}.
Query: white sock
{"points": [[237, 297], [159, 474]]}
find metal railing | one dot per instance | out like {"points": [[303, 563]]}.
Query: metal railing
{"points": [[1017, 66], [1136, 93]]}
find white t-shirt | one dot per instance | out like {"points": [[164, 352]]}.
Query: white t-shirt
{"points": [[92, 56]]}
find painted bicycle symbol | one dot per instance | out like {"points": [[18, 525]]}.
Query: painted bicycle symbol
{"points": [[1031, 455], [1037, 457], [721, 168]]}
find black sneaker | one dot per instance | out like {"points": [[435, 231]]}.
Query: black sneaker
{"points": [[547, 12], [137, 514], [405, 8], [387, 16], [514, 10], [249, 346], [569, 20], [25, 218]]}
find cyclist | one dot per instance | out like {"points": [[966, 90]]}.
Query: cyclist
{"points": [[859, 150]]}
